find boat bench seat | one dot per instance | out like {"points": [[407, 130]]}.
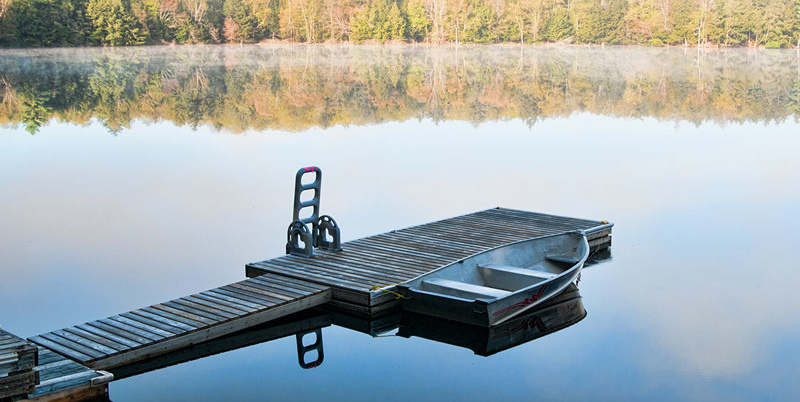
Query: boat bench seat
{"points": [[566, 259], [462, 289], [517, 270]]}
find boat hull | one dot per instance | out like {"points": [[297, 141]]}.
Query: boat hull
{"points": [[559, 312]]}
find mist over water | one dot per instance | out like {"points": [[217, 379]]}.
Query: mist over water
{"points": [[239, 88], [154, 173]]}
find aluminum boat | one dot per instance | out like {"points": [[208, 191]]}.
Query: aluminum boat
{"points": [[491, 287]]}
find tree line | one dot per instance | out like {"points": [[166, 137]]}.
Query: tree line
{"points": [[295, 88], [36, 23]]}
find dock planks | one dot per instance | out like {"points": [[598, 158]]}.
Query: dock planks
{"points": [[164, 327], [395, 257]]}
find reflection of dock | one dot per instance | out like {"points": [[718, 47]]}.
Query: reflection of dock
{"points": [[354, 280], [401, 255]]}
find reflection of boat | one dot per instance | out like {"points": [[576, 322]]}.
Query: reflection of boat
{"points": [[553, 315], [494, 286]]}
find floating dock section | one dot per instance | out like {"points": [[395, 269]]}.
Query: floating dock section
{"points": [[363, 274]]}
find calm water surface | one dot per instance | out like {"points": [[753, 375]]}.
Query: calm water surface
{"points": [[134, 176]]}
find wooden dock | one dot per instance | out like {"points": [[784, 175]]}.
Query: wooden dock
{"points": [[359, 274], [358, 279], [179, 323]]}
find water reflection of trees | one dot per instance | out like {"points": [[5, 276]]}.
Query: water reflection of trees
{"points": [[297, 87]]}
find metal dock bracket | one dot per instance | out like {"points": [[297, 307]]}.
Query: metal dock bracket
{"points": [[321, 226], [327, 226]]}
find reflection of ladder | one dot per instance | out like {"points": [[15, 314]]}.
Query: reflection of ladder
{"points": [[303, 350], [321, 226]]}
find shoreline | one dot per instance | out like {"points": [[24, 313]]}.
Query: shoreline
{"points": [[401, 45]]}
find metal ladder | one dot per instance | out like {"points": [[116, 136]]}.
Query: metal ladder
{"points": [[321, 226]]}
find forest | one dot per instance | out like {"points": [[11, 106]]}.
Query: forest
{"points": [[702, 23], [293, 88]]}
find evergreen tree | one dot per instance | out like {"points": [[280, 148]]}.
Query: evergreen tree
{"points": [[796, 25], [478, 22], [418, 22], [683, 29], [394, 27], [113, 24], [365, 24], [558, 26], [49, 23]]}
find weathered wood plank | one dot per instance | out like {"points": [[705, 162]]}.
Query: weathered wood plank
{"points": [[212, 310], [61, 349], [268, 267], [152, 323], [180, 312], [349, 272], [220, 295], [282, 293], [330, 274], [216, 299], [301, 284], [96, 338], [174, 317], [47, 356], [144, 327], [251, 295], [241, 295], [256, 289], [110, 335], [218, 305], [18, 383], [126, 331], [158, 318], [289, 283], [70, 344]]}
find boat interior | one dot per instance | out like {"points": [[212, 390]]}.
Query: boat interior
{"points": [[492, 281]]}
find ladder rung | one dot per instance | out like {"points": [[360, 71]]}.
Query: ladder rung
{"points": [[310, 203]]}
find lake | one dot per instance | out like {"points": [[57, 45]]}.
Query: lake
{"points": [[133, 176]]}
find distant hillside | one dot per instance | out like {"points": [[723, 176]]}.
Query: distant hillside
{"points": [[35, 23]]}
